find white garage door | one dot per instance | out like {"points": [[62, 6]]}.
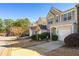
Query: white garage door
{"points": [[63, 32]]}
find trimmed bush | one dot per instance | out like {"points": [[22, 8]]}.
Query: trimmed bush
{"points": [[45, 35], [72, 40], [34, 37], [54, 37], [41, 36]]}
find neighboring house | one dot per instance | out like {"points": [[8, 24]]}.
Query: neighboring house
{"points": [[63, 23], [34, 28], [39, 26], [42, 21]]}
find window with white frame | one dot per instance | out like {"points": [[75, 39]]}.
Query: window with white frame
{"points": [[50, 21], [57, 19], [65, 17], [69, 16]]}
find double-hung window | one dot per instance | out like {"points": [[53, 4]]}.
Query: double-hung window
{"points": [[65, 17], [50, 21], [57, 19], [69, 16]]}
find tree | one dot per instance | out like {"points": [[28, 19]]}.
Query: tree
{"points": [[24, 23], [9, 23], [2, 26]]}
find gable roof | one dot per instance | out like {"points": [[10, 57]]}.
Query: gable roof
{"points": [[53, 8], [41, 20], [68, 9], [53, 11]]}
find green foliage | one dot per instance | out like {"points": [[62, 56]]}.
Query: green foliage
{"points": [[8, 23], [34, 37], [42, 36], [24, 23], [54, 37], [46, 35], [2, 26]]}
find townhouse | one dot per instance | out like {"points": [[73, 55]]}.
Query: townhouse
{"points": [[63, 23]]}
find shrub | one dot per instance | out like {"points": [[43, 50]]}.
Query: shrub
{"points": [[41, 36], [72, 40], [54, 37], [44, 35], [34, 37], [38, 36]]}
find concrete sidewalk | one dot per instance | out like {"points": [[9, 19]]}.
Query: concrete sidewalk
{"points": [[47, 47]]}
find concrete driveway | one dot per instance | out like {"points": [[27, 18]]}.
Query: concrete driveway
{"points": [[47, 47]]}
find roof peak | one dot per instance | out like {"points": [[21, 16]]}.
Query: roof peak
{"points": [[55, 8]]}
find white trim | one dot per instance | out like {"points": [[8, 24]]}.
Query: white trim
{"points": [[60, 25], [72, 30], [76, 14], [72, 27], [68, 11], [76, 21]]}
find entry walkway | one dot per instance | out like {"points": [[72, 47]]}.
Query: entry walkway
{"points": [[47, 47]]}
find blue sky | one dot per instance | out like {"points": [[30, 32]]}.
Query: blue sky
{"points": [[30, 10]]}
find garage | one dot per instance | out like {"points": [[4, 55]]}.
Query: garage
{"points": [[64, 31]]}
